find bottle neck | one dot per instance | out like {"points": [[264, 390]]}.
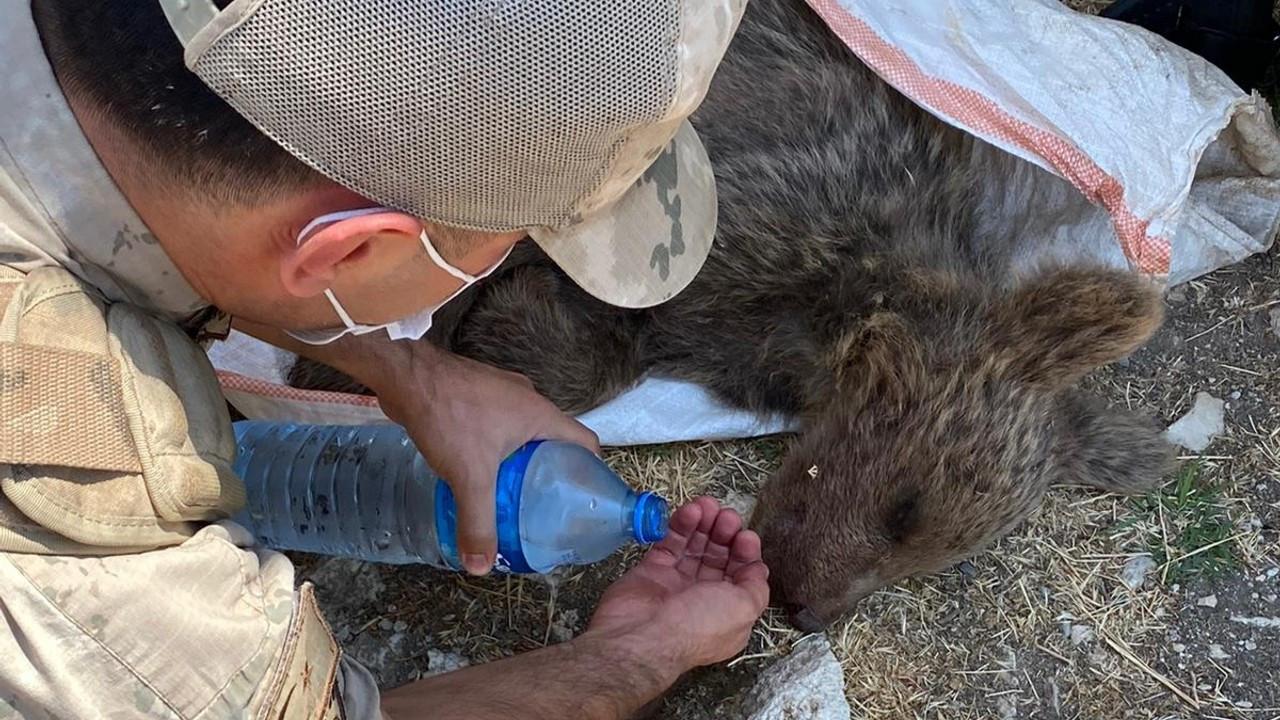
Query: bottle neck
{"points": [[648, 517]]}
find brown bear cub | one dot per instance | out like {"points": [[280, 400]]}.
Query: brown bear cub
{"points": [[849, 286]]}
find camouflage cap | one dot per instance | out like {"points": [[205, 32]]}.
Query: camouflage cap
{"points": [[567, 120]]}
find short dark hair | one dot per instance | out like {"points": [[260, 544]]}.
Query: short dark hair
{"points": [[122, 57]]}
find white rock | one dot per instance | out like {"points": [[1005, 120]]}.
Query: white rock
{"points": [[1178, 648], [1209, 601], [806, 685], [442, 662], [563, 629], [1275, 322], [743, 503], [1250, 645], [1195, 430], [1217, 653], [1135, 571], [1258, 622], [1081, 634]]}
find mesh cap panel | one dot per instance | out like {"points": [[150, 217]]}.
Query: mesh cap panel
{"points": [[492, 115]]}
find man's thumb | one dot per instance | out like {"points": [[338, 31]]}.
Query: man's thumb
{"points": [[477, 515]]}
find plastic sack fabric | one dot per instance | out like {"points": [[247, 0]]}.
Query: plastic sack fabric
{"points": [[1139, 154]]}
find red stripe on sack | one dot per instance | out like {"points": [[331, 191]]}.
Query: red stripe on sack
{"points": [[1150, 254], [254, 386]]}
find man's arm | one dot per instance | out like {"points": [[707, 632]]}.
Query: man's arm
{"points": [[591, 677], [691, 601], [464, 417]]}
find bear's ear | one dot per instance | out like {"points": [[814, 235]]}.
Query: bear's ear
{"points": [[1067, 322]]}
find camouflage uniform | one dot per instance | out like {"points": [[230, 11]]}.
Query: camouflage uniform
{"points": [[123, 591]]}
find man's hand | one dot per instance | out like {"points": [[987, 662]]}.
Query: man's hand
{"points": [[695, 595], [690, 602], [466, 417]]}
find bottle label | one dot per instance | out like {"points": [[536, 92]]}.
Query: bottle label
{"points": [[510, 558]]}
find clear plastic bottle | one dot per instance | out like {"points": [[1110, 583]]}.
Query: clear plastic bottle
{"points": [[364, 491]]}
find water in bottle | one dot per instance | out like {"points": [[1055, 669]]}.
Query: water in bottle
{"points": [[364, 491]]}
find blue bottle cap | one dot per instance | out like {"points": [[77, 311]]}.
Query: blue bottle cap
{"points": [[649, 523]]}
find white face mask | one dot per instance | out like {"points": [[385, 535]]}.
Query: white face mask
{"points": [[409, 328]]}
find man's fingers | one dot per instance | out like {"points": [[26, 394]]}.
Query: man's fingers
{"points": [[716, 556], [754, 580], [745, 550], [681, 526], [692, 560], [477, 519], [571, 430]]}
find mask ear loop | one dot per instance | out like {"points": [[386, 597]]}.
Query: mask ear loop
{"points": [[337, 307], [435, 258]]}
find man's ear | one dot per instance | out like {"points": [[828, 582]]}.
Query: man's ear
{"points": [[1066, 323], [309, 269]]}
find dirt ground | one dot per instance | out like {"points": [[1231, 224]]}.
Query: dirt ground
{"points": [[1042, 625]]}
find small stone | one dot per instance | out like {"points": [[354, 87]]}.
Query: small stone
{"points": [[1273, 572], [1235, 394], [1081, 634], [563, 628], [967, 569], [1204, 686], [400, 626], [744, 504], [1178, 648], [1199, 426], [1217, 653], [1270, 598], [1275, 322], [1209, 601], [443, 662], [1135, 571], [1250, 645], [1243, 704], [384, 624], [391, 608]]}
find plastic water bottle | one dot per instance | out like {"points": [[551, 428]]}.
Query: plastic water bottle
{"points": [[364, 491]]}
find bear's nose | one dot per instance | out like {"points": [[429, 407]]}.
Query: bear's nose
{"points": [[804, 619]]}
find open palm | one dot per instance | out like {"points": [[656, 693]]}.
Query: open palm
{"points": [[698, 591]]}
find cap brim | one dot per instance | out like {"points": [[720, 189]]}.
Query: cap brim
{"points": [[645, 248]]}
